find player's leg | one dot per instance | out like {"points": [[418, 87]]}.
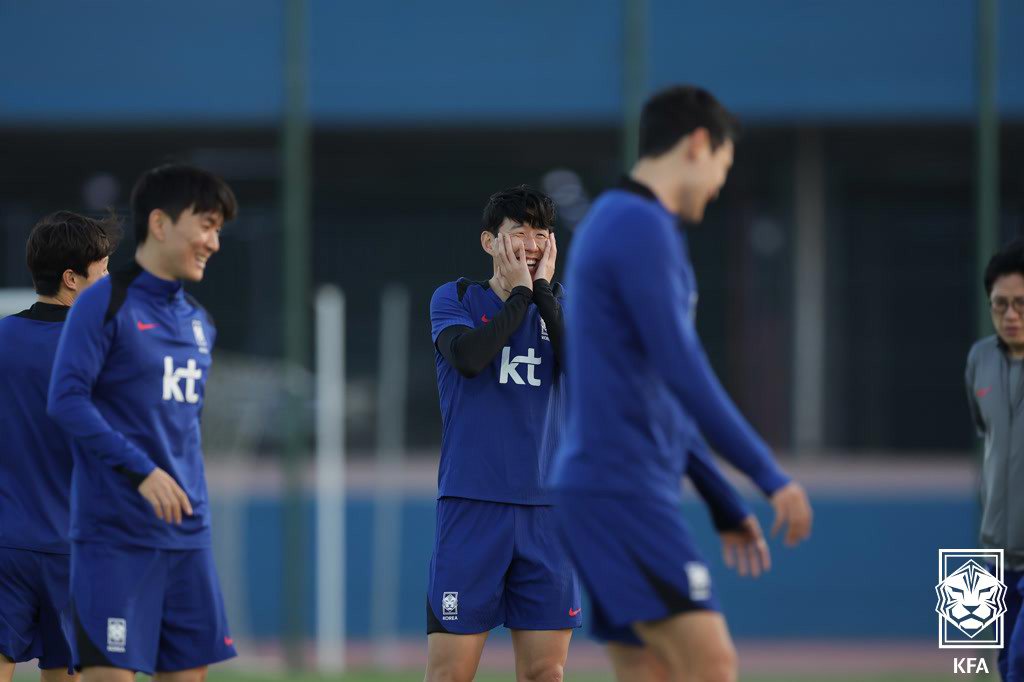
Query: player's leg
{"points": [[636, 663], [6, 668], [194, 626], [695, 646], [117, 600], [57, 675], [453, 658], [466, 586], [540, 654], [542, 596]]}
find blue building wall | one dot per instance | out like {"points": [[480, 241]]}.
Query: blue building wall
{"points": [[869, 571], [403, 62]]}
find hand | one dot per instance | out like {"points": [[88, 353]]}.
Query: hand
{"points": [[546, 265], [745, 549], [792, 509], [510, 263], [168, 499]]}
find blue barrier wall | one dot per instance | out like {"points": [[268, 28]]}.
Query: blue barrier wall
{"points": [[869, 571], [404, 62]]}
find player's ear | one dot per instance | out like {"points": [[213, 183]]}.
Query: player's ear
{"points": [[487, 241], [69, 279], [158, 222], [698, 144]]}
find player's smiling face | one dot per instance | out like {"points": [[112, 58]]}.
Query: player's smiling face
{"points": [[533, 239], [191, 242]]}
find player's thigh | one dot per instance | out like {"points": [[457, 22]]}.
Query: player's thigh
{"points": [[540, 654], [57, 675], [107, 674], [636, 663], [695, 645], [473, 542], [191, 675], [194, 627], [453, 658], [6, 669]]}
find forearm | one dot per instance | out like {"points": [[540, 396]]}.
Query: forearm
{"points": [[723, 501], [470, 351], [551, 312]]}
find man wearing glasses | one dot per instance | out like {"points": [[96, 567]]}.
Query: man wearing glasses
{"points": [[995, 388]]}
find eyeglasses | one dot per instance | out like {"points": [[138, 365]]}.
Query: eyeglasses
{"points": [[1001, 305]]}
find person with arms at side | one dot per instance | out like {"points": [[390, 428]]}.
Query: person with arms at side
{"points": [[995, 389], [640, 388], [66, 254], [128, 386]]}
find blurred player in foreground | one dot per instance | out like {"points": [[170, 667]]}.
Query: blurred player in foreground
{"points": [[641, 388], [128, 386], [995, 390], [496, 558], [66, 254]]}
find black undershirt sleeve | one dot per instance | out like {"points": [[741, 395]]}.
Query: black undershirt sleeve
{"points": [[551, 312], [470, 351]]}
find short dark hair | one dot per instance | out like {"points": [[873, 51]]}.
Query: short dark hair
{"points": [[672, 114], [174, 187], [1007, 261], [522, 204], [66, 240]]}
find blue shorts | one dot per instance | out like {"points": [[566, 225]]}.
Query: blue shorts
{"points": [[148, 610], [33, 597], [499, 564], [636, 559]]}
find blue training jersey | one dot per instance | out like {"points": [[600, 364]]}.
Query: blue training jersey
{"points": [[35, 456], [128, 385], [492, 424], [641, 390]]}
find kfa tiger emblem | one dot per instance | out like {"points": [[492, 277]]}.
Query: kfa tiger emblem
{"points": [[971, 598]]}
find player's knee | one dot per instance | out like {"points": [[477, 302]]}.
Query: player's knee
{"points": [[550, 671], [449, 672], [718, 666]]}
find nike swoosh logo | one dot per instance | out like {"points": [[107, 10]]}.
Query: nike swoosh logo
{"points": [[982, 392], [574, 613], [144, 327], [484, 318]]}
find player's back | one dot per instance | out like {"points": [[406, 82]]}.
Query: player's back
{"points": [[35, 456], [626, 432]]}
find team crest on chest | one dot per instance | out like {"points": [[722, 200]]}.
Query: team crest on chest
{"points": [[200, 334], [544, 331]]}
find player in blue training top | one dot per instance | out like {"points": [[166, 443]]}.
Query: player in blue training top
{"points": [[639, 385], [128, 386], [66, 254], [496, 557]]}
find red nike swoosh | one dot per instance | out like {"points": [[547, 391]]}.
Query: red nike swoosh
{"points": [[144, 327], [982, 392], [484, 318], [228, 641], [573, 614]]}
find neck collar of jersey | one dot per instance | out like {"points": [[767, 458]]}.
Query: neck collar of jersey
{"points": [[151, 284], [628, 184], [46, 312]]}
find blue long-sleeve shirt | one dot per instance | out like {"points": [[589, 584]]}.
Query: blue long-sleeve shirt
{"points": [[35, 457], [127, 386], [641, 389]]}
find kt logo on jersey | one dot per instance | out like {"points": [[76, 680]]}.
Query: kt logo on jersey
{"points": [[172, 381], [510, 367], [971, 599]]}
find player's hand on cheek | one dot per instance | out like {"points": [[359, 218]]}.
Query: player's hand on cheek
{"points": [[512, 265], [169, 501], [546, 265], [792, 510]]}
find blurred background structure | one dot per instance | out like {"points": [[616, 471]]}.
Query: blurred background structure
{"points": [[839, 270]]}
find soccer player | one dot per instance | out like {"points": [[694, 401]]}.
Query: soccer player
{"points": [[128, 386], [66, 253], [640, 384], [995, 389], [496, 557]]}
